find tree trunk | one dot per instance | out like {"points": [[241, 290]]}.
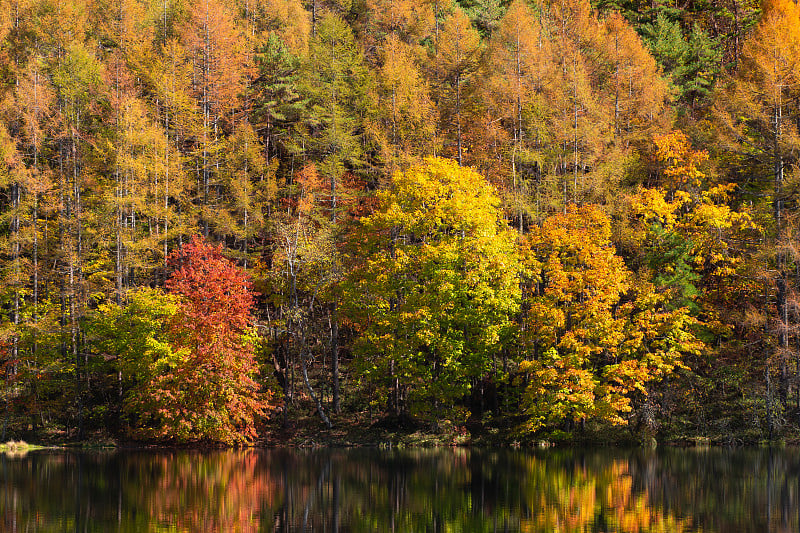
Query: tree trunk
{"points": [[782, 289], [314, 397], [335, 356]]}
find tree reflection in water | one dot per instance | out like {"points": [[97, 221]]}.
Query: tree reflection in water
{"points": [[387, 490]]}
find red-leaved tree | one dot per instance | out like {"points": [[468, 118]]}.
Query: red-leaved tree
{"points": [[210, 392]]}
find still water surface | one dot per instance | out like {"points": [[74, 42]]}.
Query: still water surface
{"points": [[712, 490]]}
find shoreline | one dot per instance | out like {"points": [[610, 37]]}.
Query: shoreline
{"points": [[308, 432]]}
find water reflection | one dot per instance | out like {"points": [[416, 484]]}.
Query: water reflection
{"points": [[419, 490]]}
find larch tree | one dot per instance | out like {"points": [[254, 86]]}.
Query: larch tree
{"points": [[407, 115], [13, 186], [146, 193], [285, 19], [759, 120], [248, 190], [411, 21], [33, 105], [214, 42], [455, 69], [520, 62], [631, 78], [77, 80], [581, 118]]}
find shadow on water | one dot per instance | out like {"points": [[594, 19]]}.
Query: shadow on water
{"points": [[435, 490]]}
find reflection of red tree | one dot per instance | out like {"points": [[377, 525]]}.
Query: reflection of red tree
{"points": [[227, 491]]}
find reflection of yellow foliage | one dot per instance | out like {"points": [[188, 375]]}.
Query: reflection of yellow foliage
{"points": [[572, 501]]}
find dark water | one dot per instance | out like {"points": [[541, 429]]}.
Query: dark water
{"points": [[457, 490]]}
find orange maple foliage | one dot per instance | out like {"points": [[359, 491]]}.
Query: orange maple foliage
{"points": [[681, 163], [211, 394]]}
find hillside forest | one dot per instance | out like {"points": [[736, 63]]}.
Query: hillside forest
{"points": [[538, 219]]}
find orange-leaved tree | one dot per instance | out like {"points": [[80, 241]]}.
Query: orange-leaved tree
{"points": [[209, 392], [760, 130], [576, 318], [597, 336]]}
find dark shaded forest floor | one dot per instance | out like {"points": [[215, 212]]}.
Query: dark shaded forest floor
{"points": [[359, 429], [304, 430], [301, 430], [302, 427]]}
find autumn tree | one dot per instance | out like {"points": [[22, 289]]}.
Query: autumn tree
{"points": [[25, 180], [13, 182], [248, 189], [410, 21], [759, 124], [575, 327], [214, 43], [435, 291], [578, 131], [681, 165], [631, 80], [146, 197], [136, 337], [407, 115], [597, 336], [456, 65], [285, 20], [203, 385], [521, 60], [333, 133], [79, 89], [697, 249]]}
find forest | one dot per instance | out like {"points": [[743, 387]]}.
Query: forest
{"points": [[532, 219]]}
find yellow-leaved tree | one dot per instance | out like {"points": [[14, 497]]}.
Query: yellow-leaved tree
{"points": [[693, 248], [433, 289], [596, 335]]}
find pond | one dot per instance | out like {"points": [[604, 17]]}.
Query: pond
{"points": [[426, 490]]}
